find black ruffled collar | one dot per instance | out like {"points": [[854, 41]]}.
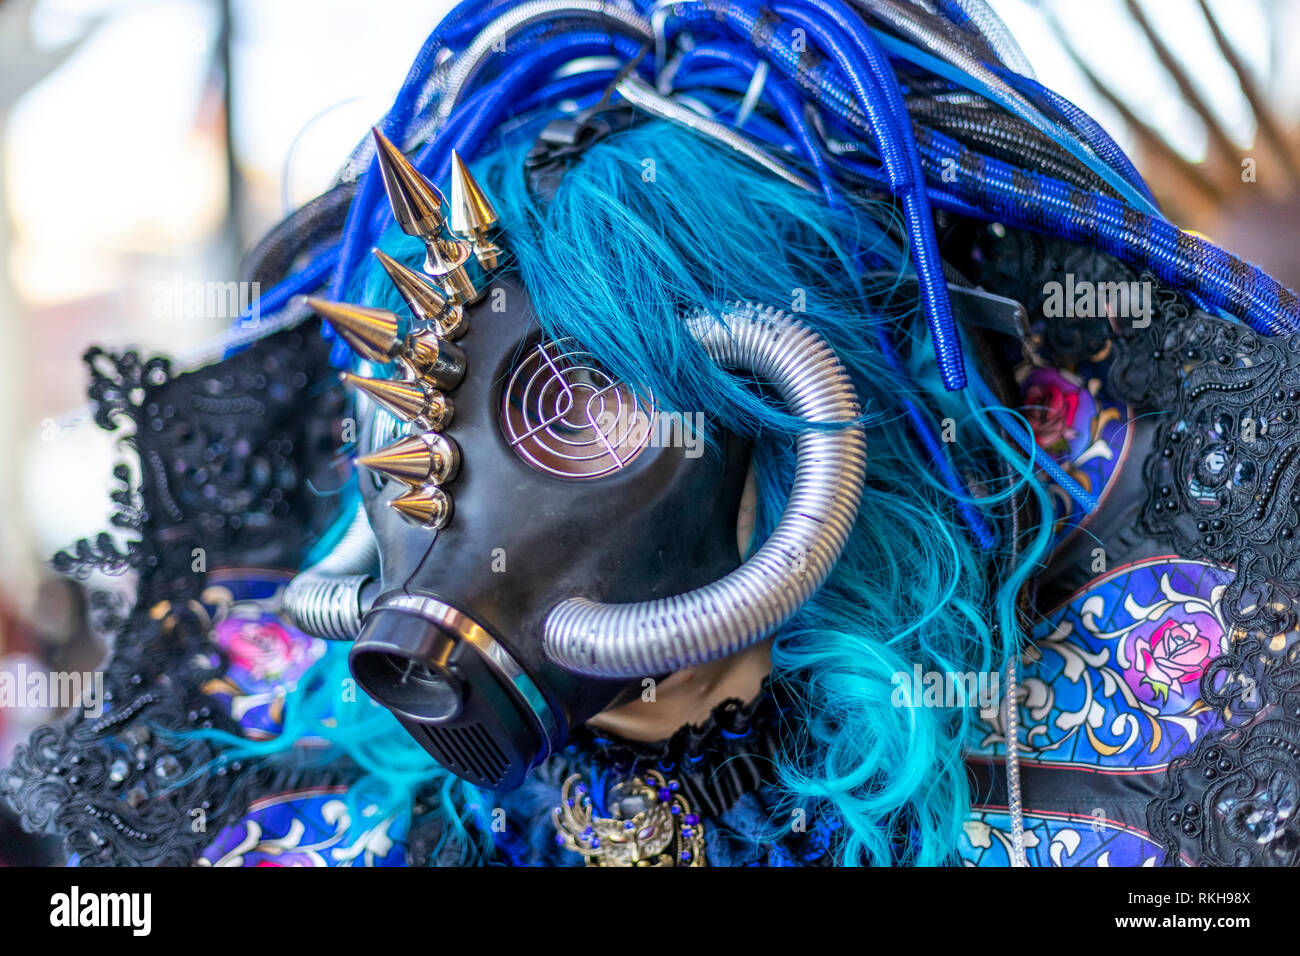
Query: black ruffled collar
{"points": [[716, 762]]}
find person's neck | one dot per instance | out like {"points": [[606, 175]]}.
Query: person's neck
{"points": [[689, 696]]}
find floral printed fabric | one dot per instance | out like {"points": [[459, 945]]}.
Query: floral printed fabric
{"points": [[302, 827], [1109, 682]]}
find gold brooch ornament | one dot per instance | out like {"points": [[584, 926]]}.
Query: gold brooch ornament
{"points": [[652, 824]]}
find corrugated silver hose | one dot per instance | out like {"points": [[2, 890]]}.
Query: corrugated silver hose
{"points": [[668, 634], [327, 600]]}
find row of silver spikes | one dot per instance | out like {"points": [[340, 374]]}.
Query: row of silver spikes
{"points": [[425, 350]]}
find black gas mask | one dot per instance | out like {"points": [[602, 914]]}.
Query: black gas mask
{"points": [[546, 537]]}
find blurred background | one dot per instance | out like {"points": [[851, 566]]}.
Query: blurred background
{"points": [[145, 144]]}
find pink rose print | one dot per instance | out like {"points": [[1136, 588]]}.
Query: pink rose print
{"points": [[1052, 405], [1175, 653], [263, 648]]}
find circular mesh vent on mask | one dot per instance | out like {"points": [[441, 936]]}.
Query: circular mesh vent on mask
{"points": [[566, 416]]}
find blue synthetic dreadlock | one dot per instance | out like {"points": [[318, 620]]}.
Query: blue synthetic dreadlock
{"points": [[655, 223]]}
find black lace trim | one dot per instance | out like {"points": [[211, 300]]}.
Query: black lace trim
{"points": [[117, 382], [1232, 802], [1222, 481], [116, 788], [1224, 471], [228, 456]]}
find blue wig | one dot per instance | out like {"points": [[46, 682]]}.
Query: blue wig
{"points": [[656, 223]]}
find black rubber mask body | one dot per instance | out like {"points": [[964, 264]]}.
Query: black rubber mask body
{"points": [[453, 644]]}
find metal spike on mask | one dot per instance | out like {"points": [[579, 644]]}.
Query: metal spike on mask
{"points": [[413, 402], [428, 506], [426, 301], [417, 206], [445, 261], [416, 459], [428, 459], [374, 334], [473, 216], [377, 336]]}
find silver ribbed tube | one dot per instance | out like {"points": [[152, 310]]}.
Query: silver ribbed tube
{"points": [[998, 36], [668, 634], [468, 62], [325, 599]]}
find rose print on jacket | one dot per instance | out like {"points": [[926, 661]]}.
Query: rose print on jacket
{"points": [[1176, 654], [1111, 678], [1086, 433], [1052, 408], [263, 648], [266, 656]]}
